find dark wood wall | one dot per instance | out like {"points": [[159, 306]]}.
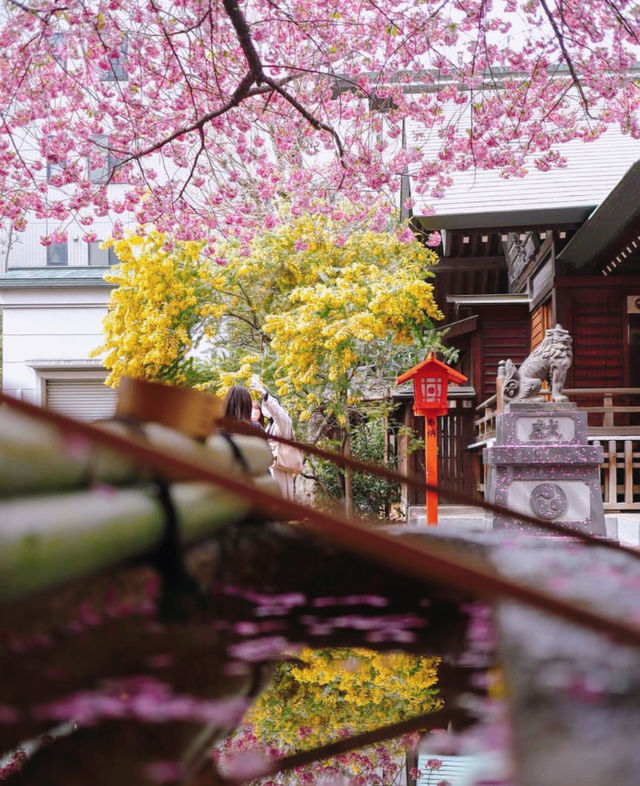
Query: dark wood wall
{"points": [[503, 332], [594, 310], [597, 326]]}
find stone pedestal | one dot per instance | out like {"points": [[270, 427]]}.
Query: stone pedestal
{"points": [[541, 464]]}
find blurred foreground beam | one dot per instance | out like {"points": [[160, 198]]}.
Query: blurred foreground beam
{"points": [[427, 561]]}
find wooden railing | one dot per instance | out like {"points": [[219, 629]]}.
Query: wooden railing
{"points": [[614, 423], [609, 407], [620, 473], [485, 422]]}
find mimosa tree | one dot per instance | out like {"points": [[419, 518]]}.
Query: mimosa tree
{"points": [[158, 310], [312, 305], [355, 690], [318, 307]]}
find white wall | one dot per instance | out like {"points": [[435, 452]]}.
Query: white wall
{"points": [[60, 325]]}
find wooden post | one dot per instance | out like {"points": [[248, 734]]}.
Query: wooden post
{"points": [[628, 473], [607, 417], [502, 373], [431, 467], [613, 472]]}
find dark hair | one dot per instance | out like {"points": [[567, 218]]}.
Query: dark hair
{"points": [[259, 423], [237, 403]]}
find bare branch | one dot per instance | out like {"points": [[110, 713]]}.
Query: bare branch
{"points": [[567, 57], [44, 16]]}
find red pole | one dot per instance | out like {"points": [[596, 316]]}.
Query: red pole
{"points": [[431, 467]]}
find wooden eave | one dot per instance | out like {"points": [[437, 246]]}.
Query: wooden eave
{"points": [[516, 221], [498, 299], [459, 328]]}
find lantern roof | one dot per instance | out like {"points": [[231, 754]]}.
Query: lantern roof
{"points": [[429, 365]]}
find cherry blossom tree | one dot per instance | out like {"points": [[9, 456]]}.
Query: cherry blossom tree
{"points": [[207, 112]]}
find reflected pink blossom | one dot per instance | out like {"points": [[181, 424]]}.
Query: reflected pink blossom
{"points": [[262, 649], [164, 771], [142, 698]]}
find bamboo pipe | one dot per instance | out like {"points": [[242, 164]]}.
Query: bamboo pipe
{"points": [[50, 539], [37, 457]]}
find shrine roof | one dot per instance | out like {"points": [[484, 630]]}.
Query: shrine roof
{"points": [[482, 198], [617, 212]]}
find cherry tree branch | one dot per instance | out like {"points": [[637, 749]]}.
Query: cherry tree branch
{"points": [[623, 21], [317, 124], [254, 76], [167, 38], [201, 149], [193, 63], [255, 64], [242, 91], [244, 38]]}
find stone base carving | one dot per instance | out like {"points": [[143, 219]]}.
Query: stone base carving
{"points": [[542, 465]]}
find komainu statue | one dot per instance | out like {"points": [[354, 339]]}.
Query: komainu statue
{"points": [[549, 362]]}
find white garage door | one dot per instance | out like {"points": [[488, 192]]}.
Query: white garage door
{"points": [[83, 399]]}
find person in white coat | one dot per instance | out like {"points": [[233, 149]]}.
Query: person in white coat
{"points": [[287, 459]]}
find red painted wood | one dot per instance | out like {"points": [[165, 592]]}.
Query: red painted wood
{"points": [[597, 328], [501, 339], [431, 465]]}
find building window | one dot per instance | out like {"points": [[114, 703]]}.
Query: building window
{"points": [[101, 257], [55, 165], [54, 168], [56, 43], [102, 160], [57, 255], [116, 71]]}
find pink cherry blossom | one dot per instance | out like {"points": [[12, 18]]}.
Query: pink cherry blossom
{"points": [[211, 135]]}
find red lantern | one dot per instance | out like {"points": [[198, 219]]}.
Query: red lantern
{"points": [[431, 380], [431, 392]]}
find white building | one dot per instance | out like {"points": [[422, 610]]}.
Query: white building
{"points": [[53, 299], [51, 321]]}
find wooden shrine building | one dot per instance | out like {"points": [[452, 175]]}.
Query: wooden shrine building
{"points": [[518, 256]]}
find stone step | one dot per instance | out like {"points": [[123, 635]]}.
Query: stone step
{"points": [[624, 527]]}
